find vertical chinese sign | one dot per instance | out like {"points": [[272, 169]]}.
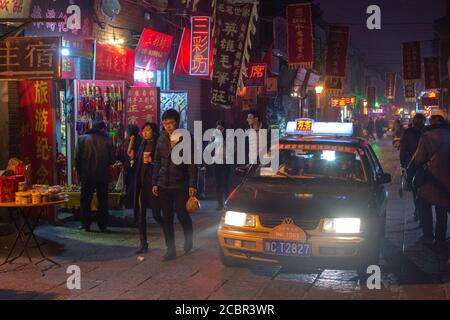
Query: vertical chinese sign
{"points": [[114, 63], [410, 92], [183, 60], [412, 69], [432, 77], [68, 68], [199, 49], [153, 50], [37, 129], [255, 75], [142, 105], [371, 96], [390, 85], [338, 39], [233, 27], [300, 36], [14, 9]]}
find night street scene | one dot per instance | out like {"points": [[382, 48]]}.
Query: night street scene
{"points": [[215, 152]]}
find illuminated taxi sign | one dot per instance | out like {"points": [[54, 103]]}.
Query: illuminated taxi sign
{"points": [[377, 111], [304, 125], [342, 101], [318, 147], [310, 127]]}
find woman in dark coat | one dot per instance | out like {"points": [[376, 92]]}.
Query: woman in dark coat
{"points": [[128, 151], [143, 177]]}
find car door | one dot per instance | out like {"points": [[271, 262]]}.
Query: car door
{"points": [[380, 189]]}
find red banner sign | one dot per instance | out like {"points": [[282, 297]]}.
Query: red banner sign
{"points": [[390, 85], [300, 35], [432, 77], [338, 39], [199, 46], [114, 63], [153, 50], [255, 75], [371, 96], [342, 101], [14, 9], [77, 16], [68, 68], [38, 130], [412, 69], [142, 105]]}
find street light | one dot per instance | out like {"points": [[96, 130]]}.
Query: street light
{"points": [[319, 90]]}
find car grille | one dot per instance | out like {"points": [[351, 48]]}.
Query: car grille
{"points": [[271, 221]]}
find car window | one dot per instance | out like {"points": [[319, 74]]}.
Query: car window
{"points": [[315, 162], [374, 159]]}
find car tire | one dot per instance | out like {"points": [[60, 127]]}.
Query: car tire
{"points": [[230, 262]]}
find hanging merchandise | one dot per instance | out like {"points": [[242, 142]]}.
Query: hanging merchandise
{"points": [[101, 100]]}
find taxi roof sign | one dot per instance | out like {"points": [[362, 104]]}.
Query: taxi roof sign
{"points": [[310, 127]]}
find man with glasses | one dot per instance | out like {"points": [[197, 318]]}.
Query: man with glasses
{"points": [[173, 184]]}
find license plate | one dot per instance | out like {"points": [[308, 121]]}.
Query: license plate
{"points": [[287, 248]]}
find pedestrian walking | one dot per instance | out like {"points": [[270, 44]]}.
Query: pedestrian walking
{"points": [[143, 179], [379, 128], [221, 168], [173, 184], [408, 146], [433, 154], [94, 156], [357, 129]]}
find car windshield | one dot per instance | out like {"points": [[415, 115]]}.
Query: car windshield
{"points": [[328, 163]]}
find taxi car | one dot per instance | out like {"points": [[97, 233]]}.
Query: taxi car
{"points": [[324, 207]]}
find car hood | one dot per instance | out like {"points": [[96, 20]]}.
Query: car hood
{"points": [[311, 199]]}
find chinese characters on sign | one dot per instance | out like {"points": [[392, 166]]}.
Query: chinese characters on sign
{"points": [[30, 58], [37, 129], [304, 125], [432, 77], [233, 27], [336, 64], [14, 9], [200, 48], [410, 92], [255, 75], [153, 50], [68, 68], [342, 101], [142, 105], [390, 85], [412, 69], [77, 15], [300, 35], [114, 63]]}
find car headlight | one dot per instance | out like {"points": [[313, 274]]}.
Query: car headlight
{"points": [[342, 225], [240, 219]]}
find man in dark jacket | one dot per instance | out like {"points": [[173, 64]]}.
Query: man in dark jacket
{"points": [[173, 184], [94, 156], [434, 152], [408, 146]]}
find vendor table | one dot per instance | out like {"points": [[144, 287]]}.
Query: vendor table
{"points": [[26, 213]]}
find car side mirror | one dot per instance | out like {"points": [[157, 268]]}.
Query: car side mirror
{"points": [[385, 178], [241, 171]]}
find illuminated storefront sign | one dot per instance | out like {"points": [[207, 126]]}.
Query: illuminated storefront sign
{"points": [[199, 48], [255, 75], [342, 101]]}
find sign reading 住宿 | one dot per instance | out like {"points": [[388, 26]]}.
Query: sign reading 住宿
{"points": [[30, 58]]}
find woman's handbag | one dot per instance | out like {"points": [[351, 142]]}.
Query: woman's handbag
{"points": [[193, 205]]}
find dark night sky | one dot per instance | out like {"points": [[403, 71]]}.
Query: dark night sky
{"points": [[401, 21]]}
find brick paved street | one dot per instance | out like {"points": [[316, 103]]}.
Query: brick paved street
{"points": [[111, 270]]}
